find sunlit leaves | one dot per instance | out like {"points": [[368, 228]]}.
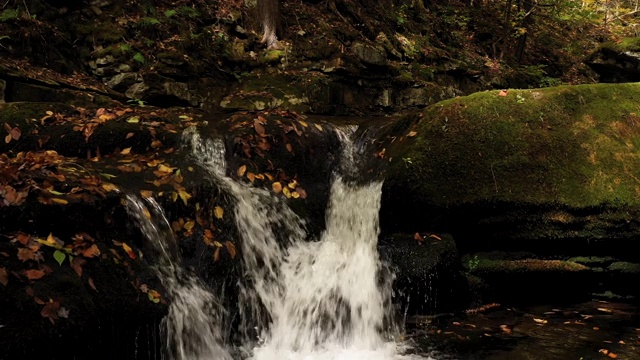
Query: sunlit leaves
{"points": [[231, 248], [154, 296], [276, 187], [241, 170]]}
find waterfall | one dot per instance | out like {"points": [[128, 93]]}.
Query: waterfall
{"points": [[193, 324], [324, 299]]}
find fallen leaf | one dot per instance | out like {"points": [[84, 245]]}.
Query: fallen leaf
{"points": [[318, 127], [76, 265], [50, 310], [289, 147], [126, 151], [216, 255], [92, 251], [231, 248], [258, 127], [189, 225], [33, 274], [241, 170], [502, 93], [277, 187], [129, 135], [25, 254], [129, 251], [412, 134], [133, 120], [185, 196], [63, 313], [435, 237], [92, 284], [251, 176], [4, 276], [286, 192], [218, 212], [59, 201], [154, 296], [540, 321]]}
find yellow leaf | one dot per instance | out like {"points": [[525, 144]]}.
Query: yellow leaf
{"points": [[109, 187], [303, 123], [412, 134], [277, 187], [126, 151], [260, 177], [295, 195], [269, 176], [241, 170], [146, 193], [59, 201], [147, 213], [218, 212], [129, 251], [231, 248], [165, 169], [293, 184], [185, 196], [286, 192], [217, 244], [189, 225], [318, 126], [540, 321], [174, 196]]}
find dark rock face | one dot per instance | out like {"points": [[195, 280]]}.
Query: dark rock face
{"points": [[615, 66], [428, 275]]}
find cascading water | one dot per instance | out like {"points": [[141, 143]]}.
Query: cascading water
{"points": [[323, 299], [194, 321]]}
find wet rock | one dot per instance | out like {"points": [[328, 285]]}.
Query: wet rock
{"points": [[123, 81], [428, 276], [105, 61]]}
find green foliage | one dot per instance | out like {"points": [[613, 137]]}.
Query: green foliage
{"points": [[59, 256], [188, 12], [137, 102], [148, 21], [139, 58], [9, 14], [125, 48], [170, 13], [473, 263]]}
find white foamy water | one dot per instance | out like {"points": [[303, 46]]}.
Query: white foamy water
{"points": [[325, 299], [193, 324]]}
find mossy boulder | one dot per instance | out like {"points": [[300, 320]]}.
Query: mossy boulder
{"points": [[553, 171]]}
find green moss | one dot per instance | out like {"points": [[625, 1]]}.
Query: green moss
{"points": [[574, 145], [627, 44], [592, 260], [625, 267]]}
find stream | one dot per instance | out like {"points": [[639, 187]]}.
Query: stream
{"points": [[332, 298]]}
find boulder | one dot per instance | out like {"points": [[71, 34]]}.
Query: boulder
{"points": [[617, 62], [552, 172]]}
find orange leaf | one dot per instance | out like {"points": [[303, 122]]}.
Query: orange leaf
{"points": [[289, 148], [218, 212], [502, 93], [241, 170], [129, 251], [23, 238], [412, 134], [91, 251], [33, 274], [216, 255], [277, 187], [50, 310], [251, 176]]}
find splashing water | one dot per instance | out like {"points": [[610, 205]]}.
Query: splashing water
{"points": [[194, 321], [310, 300]]}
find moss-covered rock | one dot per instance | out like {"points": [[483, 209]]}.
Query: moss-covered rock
{"points": [[522, 169], [617, 61]]}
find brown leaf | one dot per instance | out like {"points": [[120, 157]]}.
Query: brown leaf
{"points": [[7, 139], [412, 134], [4, 276], [129, 135], [92, 284], [23, 238], [77, 263], [258, 127], [15, 133], [302, 192], [251, 176], [289, 147], [231, 248], [33, 274], [50, 310], [25, 254], [503, 93], [216, 255], [241, 170]]}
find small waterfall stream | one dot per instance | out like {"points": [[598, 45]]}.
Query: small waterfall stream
{"points": [[194, 321], [322, 299]]}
